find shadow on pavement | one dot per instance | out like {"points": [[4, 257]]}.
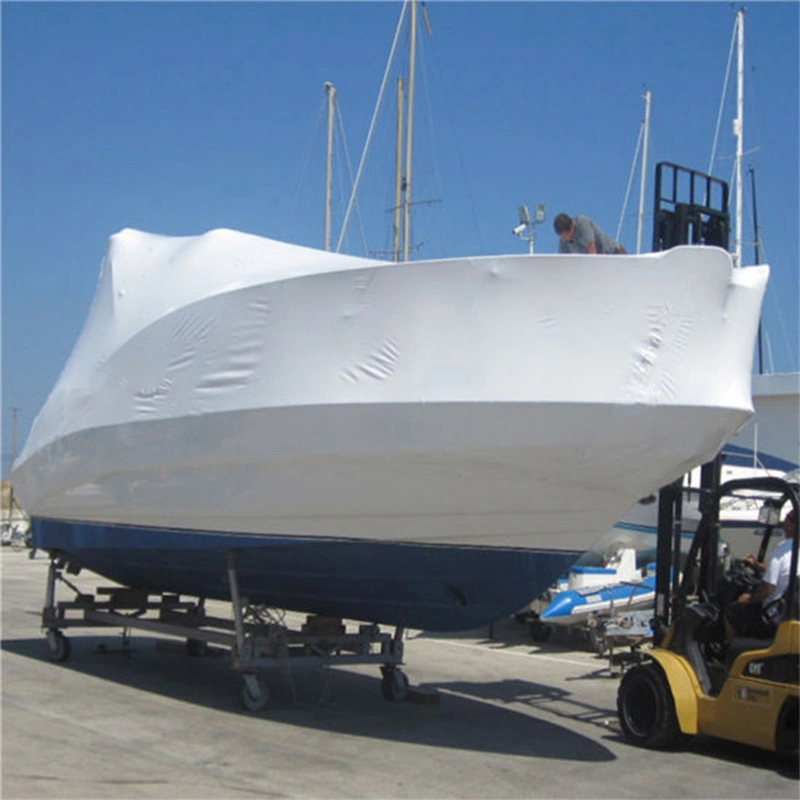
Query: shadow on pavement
{"points": [[463, 718]]}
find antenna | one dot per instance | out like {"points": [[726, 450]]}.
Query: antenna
{"points": [[527, 226]]}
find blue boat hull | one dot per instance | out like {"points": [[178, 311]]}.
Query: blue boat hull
{"points": [[428, 587]]}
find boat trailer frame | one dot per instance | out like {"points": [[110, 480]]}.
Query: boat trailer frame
{"points": [[256, 636]]}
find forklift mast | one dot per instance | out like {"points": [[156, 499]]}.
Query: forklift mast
{"points": [[690, 208]]}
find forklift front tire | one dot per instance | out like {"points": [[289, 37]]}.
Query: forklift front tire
{"points": [[646, 708]]}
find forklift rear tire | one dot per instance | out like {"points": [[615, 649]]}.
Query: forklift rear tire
{"points": [[646, 708]]}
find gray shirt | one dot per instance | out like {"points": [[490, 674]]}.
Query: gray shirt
{"points": [[587, 231]]}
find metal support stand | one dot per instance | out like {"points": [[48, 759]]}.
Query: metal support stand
{"points": [[256, 636], [238, 620]]}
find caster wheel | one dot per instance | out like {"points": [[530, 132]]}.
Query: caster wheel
{"points": [[254, 693], [58, 646], [196, 647], [540, 631], [597, 641], [394, 685]]}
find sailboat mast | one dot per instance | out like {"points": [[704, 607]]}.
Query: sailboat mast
{"points": [[757, 248], [398, 192], [738, 132], [646, 137], [330, 90], [409, 132]]}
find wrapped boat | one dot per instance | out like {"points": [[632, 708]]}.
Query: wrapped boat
{"points": [[428, 443]]}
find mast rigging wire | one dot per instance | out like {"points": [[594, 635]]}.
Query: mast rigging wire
{"points": [[630, 181], [372, 126], [722, 99]]}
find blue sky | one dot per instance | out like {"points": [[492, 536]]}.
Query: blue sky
{"points": [[177, 118]]}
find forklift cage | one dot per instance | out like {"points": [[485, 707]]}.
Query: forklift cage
{"points": [[700, 217]]}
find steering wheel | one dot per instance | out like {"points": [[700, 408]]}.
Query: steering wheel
{"points": [[742, 576]]}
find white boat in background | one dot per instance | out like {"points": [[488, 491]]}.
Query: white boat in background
{"points": [[770, 439], [638, 529]]}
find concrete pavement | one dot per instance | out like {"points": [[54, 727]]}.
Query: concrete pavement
{"points": [[514, 720]]}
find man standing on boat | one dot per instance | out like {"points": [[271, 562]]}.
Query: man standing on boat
{"points": [[583, 235]]}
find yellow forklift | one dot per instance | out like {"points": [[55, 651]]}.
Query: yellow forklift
{"points": [[694, 681]]}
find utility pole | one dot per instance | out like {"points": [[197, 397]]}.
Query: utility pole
{"points": [[14, 412]]}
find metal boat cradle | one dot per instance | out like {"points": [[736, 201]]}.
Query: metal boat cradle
{"points": [[258, 639]]}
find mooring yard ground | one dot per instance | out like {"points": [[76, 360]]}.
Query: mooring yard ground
{"points": [[511, 719]]}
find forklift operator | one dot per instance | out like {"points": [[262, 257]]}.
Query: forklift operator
{"points": [[750, 615]]}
